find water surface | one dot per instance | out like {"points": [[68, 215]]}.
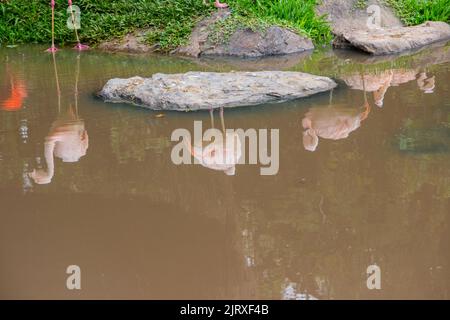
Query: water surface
{"points": [[364, 179]]}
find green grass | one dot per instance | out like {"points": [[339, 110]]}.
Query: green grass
{"points": [[360, 4], [28, 21], [296, 14], [221, 31], [170, 21], [413, 12]]}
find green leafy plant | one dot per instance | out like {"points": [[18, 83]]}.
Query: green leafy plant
{"points": [[298, 14], [23, 21], [413, 12], [222, 30]]}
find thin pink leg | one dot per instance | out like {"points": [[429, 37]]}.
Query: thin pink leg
{"points": [[79, 46], [53, 47]]}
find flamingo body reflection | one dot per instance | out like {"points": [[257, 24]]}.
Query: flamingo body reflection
{"points": [[329, 123], [222, 154], [67, 138], [333, 122]]}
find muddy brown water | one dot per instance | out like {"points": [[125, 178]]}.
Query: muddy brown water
{"points": [[359, 184]]}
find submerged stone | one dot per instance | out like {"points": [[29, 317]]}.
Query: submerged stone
{"points": [[206, 90]]}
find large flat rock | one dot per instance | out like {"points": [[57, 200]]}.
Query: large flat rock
{"points": [[205, 90], [397, 39]]}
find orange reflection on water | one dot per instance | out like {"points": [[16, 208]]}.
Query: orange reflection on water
{"points": [[17, 94]]}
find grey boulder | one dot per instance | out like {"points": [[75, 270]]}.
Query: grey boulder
{"points": [[344, 15], [396, 40], [273, 41], [205, 90], [243, 42]]}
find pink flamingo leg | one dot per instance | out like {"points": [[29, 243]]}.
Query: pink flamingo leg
{"points": [[79, 46], [53, 48], [219, 5]]}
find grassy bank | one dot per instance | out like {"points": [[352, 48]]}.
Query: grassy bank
{"points": [[25, 21], [169, 21], [413, 12], [296, 14]]}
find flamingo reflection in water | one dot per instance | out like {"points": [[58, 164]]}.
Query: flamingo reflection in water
{"points": [[17, 94], [380, 82], [67, 139], [337, 123], [332, 122], [222, 155]]}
